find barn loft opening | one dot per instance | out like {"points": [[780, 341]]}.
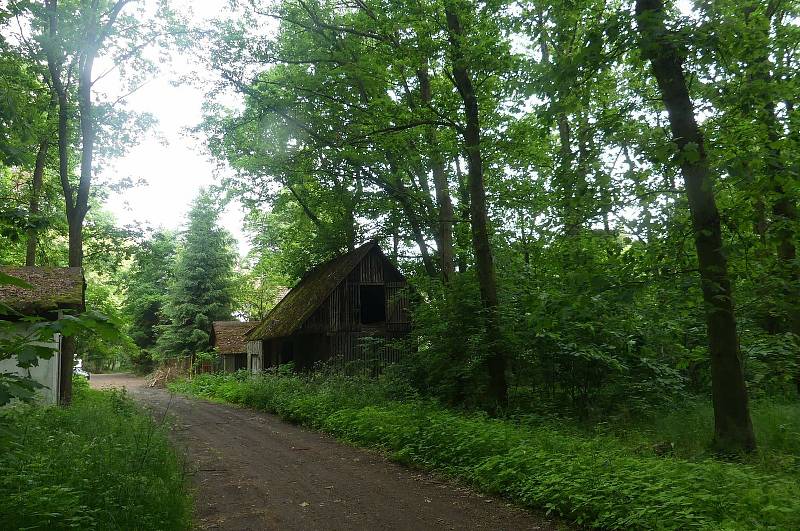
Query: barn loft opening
{"points": [[373, 305]]}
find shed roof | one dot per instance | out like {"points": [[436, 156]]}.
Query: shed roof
{"points": [[312, 290], [52, 289], [230, 336]]}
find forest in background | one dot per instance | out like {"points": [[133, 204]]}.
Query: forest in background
{"points": [[596, 202]]}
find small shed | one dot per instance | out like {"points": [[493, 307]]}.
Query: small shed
{"points": [[228, 337], [53, 292], [351, 308]]}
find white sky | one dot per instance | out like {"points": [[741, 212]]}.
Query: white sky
{"points": [[173, 164]]}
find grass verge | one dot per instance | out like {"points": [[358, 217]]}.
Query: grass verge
{"points": [[100, 464], [596, 480]]}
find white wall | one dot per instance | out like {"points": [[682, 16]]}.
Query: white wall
{"points": [[46, 373]]}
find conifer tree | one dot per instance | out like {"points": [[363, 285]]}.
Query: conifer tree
{"points": [[203, 286]]}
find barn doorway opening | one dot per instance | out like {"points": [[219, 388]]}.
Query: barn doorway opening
{"points": [[287, 351], [373, 305]]}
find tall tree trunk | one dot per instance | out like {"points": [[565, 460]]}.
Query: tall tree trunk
{"points": [[733, 429], [784, 208], [76, 201], [36, 190], [496, 362], [441, 187], [87, 142], [566, 174], [794, 142], [416, 227], [55, 66], [463, 212], [583, 205]]}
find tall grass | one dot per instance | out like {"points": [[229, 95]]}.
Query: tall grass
{"points": [[603, 480], [99, 464]]}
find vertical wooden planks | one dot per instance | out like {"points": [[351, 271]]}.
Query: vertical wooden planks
{"points": [[372, 269]]}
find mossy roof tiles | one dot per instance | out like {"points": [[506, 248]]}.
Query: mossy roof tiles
{"points": [[230, 336], [312, 290], [52, 289]]}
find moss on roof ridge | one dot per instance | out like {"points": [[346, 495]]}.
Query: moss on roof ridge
{"points": [[312, 290]]}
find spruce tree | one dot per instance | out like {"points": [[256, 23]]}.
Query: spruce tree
{"points": [[202, 290]]}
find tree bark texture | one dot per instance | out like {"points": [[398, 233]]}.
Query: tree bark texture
{"points": [[440, 185], [484, 264], [36, 191], [461, 236], [55, 64], [733, 429]]}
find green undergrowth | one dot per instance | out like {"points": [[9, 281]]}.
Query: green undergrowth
{"points": [[100, 464], [685, 433], [598, 480]]}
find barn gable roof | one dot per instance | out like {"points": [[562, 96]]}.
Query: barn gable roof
{"points": [[312, 290], [52, 289], [230, 336]]}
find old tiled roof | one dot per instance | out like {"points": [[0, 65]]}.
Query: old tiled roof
{"points": [[312, 290], [52, 288], [229, 336]]}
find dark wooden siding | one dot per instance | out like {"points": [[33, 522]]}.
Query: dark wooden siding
{"points": [[371, 269], [318, 322], [374, 350], [334, 331], [397, 318]]}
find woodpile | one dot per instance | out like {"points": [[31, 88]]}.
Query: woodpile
{"points": [[163, 375]]}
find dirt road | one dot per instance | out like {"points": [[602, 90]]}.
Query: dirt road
{"points": [[254, 471]]}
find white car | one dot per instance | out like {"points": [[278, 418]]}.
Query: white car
{"points": [[80, 371]]}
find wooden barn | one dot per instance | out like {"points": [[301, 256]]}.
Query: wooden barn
{"points": [[345, 310], [229, 338]]}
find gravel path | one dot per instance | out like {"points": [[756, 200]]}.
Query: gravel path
{"points": [[254, 471]]}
